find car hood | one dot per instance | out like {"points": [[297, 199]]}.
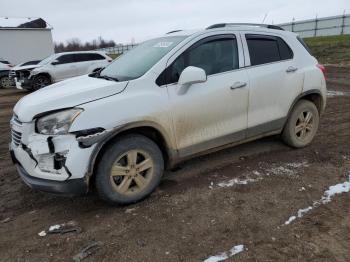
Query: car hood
{"points": [[28, 67], [4, 67], [66, 94]]}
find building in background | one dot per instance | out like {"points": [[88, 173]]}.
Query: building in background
{"points": [[25, 39]]}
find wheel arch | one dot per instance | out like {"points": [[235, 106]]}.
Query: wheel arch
{"points": [[44, 74], [147, 129], [313, 95]]}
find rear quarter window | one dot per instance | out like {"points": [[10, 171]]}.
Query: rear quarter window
{"points": [[301, 41]]}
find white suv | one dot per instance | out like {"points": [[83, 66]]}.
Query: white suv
{"points": [[167, 100], [58, 67]]}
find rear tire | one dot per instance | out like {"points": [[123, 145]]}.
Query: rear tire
{"points": [[302, 124], [129, 170]]}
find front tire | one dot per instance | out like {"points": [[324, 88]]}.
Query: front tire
{"points": [[129, 170], [302, 124], [5, 82], [41, 81]]}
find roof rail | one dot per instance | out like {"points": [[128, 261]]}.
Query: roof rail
{"points": [[175, 31], [248, 24]]}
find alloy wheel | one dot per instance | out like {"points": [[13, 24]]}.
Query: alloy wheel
{"points": [[304, 125], [132, 172]]}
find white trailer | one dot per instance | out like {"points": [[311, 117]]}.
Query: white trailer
{"points": [[25, 39]]}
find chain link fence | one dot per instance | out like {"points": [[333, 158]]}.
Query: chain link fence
{"points": [[117, 50], [325, 26]]}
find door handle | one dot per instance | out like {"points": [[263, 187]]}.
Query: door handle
{"points": [[238, 85], [291, 69]]}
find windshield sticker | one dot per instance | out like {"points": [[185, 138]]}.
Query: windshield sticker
{"points": [[163, 44]]}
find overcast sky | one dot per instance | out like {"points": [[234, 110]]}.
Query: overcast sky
{"points": [[124, 20]]}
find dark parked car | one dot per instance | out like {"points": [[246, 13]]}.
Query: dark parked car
{"points": [[5, 81]]}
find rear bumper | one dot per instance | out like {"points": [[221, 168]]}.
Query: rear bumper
{"points": [[71, 187]]}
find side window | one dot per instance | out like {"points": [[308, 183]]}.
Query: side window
{"points": [[81, 57], [213, 56], [267, 49], [84, 57], [93, 56], [65, 59]]}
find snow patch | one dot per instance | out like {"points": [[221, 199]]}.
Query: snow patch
{"points": [[332, 93], [238, 181], [288, 169], [334, 190], [225, 255], [326, 198], [290, 220], [42, 233], [54, 227]]}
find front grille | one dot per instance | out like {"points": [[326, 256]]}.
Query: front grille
{"points": [[16, 137], [12, 73]]}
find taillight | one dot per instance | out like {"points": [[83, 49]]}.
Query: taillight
{"points": [[323, 69]]}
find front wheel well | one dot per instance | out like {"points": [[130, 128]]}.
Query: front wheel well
{"points": [[149, 132], [43, 74]]}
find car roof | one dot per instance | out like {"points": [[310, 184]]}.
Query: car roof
{"points": [[81, 52], [233, 27]]}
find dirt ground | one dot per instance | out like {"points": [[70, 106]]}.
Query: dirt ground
{"points": [[197, 212]]}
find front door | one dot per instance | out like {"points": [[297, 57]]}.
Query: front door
{"points": [[210, 114]]}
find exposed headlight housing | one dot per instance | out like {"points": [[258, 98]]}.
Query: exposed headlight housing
{"points": [[34, 72], [57, 123]]}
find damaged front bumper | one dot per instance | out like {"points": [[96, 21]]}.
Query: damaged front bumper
{"points": [[23, 83], [72, 187], [56, 164]]}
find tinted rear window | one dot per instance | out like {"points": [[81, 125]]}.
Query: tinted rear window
{"points": [[267, 49], [66, 59]]}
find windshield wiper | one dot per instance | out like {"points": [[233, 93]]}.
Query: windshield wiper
{"points": [[98, 75], [108, 78]]}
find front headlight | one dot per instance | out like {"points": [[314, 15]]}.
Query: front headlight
{"points": [[57, 123], [34, 72]]}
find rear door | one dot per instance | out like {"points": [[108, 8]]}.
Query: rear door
{"points": [[83, 62], [275, 81], [87, 62]]}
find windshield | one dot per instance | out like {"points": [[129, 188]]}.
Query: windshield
{"points": [[30, 63], [139, 60], [47, 60]]}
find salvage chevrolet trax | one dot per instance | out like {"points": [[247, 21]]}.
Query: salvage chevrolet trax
{"points": [[167, 100]]}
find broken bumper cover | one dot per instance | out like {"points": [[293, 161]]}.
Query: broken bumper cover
{"points": [[23, 83], [71, 187]]}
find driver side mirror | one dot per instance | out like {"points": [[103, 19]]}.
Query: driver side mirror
{"points": [[192, 75], [55, 62]]}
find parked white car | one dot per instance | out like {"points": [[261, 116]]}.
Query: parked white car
{"points": [[58, 67], [167, 100]]}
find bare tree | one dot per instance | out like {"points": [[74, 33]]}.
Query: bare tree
{"points": [[75, 44]]}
